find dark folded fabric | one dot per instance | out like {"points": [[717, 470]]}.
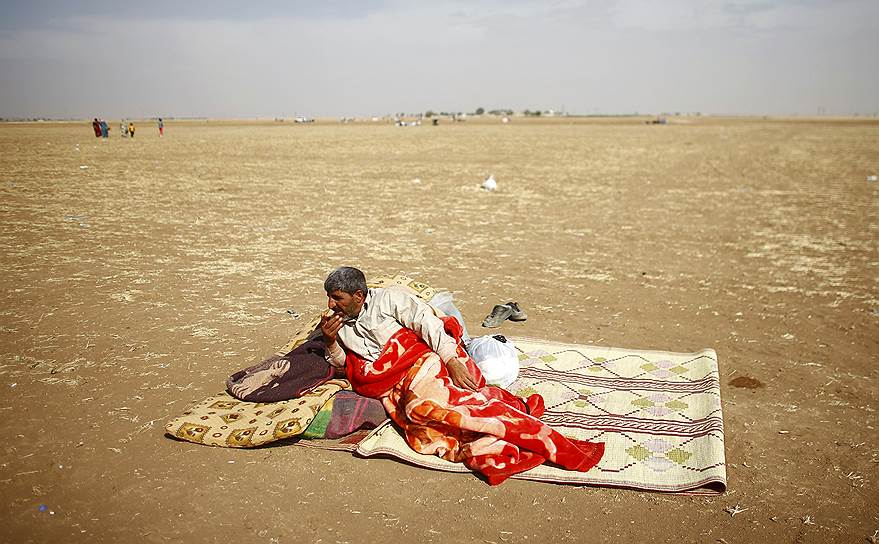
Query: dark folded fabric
{"points": [[282, 377], [352, 412]]}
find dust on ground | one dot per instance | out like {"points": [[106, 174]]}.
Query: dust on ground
{"points": [[139, 273]]}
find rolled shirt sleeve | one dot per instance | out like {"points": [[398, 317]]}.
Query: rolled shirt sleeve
{"points": [[336, 355]]}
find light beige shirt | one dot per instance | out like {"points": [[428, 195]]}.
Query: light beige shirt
{"points": [[385, 311]]}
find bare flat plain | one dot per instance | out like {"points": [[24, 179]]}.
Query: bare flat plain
{"points": [[138, 273]]}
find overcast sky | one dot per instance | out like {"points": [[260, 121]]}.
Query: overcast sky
{"points": [[72, 58]]}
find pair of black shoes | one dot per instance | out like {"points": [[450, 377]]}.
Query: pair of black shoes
{"points": [[502, 312]]}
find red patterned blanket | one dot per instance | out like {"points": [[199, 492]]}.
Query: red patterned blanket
{"points": [[489, 430]]}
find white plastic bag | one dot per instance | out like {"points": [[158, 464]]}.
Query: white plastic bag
{"points": [[444, 302], [498, 361]]}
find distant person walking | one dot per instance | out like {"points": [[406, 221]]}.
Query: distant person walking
{"points": [[131, 128], [97, 127], [161, 127], [105, 129], [123, 129]]}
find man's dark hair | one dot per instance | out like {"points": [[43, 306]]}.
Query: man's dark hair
{"points": [[346, 279]]}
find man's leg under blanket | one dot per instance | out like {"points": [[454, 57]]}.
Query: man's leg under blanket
{"points": [[488, 430]]}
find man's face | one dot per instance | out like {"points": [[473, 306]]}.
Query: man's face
{"points": [[343, 303]]}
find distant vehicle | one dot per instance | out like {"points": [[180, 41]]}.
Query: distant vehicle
{"points": [[303, 120]]}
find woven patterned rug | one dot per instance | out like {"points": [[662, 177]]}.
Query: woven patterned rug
{"points": [[657, 412]]}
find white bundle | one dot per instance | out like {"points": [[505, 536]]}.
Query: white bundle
{"points": [[498, 361]]}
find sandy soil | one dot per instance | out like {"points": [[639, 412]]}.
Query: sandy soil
{"points": [[138, 274]]}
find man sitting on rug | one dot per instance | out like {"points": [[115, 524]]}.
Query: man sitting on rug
{"points": [[394, 348]]}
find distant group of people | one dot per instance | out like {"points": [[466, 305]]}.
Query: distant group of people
{"points": [[102, 129]]}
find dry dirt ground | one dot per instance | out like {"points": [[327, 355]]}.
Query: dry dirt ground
{"points": [[138, 274]]}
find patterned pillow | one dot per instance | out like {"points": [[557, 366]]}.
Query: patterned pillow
{"points": [[223, 420]]}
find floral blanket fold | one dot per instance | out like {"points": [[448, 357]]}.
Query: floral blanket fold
{"points": [[490, 430]]}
